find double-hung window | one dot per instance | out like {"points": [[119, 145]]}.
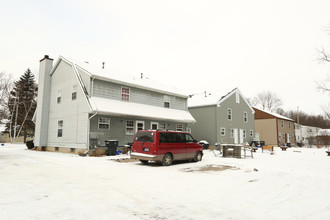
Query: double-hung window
{"points": [[104, 123], [245, 117], [74, 92], [59, 128], [229, 114], [125, 94], [59, 96], [179, 127], [222, 131], [130, 127], [167, 101]]}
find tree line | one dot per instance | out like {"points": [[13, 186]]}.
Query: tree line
{"points": [[18, 101]]}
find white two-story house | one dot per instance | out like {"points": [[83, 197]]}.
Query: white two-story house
{"points": [[80, 107]]}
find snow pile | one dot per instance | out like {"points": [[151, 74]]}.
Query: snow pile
{"points": [[292, 184]]}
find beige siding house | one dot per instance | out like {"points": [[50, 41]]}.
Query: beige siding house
{"points": [[273, 128]]}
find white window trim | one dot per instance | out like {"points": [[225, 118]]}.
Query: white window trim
{"points": [[98, 123], [154, 123], [129, 93], [247, 118], [58, 128], [231, 114], [74, 90], [180, 129], [128, 133], [136, 125], [59, 97], [167, 99], [224, 131], [237, 97]]}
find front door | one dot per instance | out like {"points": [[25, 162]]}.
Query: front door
{"points": [[241, 136], [235, 136]]}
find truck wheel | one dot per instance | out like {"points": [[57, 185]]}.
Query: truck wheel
{"points": [[167, 160]]}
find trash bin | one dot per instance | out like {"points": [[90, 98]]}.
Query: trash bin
{"points": [[112, 147], [262, 143], [205, 144]]}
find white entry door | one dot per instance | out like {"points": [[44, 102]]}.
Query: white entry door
{"points": [[241, 136], [139, 125], [235, 136]]}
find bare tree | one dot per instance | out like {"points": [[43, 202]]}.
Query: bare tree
{"points": [[324, 86], [253, 101], [268, 100], [6, 85]]}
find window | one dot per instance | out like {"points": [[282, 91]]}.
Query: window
{"points": [[59, 96], [74, 92], [282, 124], [162, 126], [139, 125], [189, 139], [154, 125], [251, 133], [166, 101], [229, 114], [245, 117], [129, 127], [222, 131], [244, 133], [279, 136], [59, 128], [124, 93], [289, 124], [104, 124], [145, 137], [179, 127], [232, 133]]}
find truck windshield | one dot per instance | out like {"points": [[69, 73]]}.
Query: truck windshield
{"points": [[144, 136]]}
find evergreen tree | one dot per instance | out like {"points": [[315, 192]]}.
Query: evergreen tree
{"points": [[22, 105]]}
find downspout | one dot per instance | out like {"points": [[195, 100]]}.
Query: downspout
{"points": [[88, 130]]}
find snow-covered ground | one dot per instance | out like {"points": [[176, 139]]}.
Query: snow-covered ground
{"points": [[292, 184]]}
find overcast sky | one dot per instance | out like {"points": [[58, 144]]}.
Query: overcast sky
{"points": [[196, 46]]}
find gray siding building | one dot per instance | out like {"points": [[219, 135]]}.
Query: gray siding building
{"points": [[228, 119], [80, 107]]}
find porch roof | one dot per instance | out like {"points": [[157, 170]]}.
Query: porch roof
{"points": [[130, 109]]}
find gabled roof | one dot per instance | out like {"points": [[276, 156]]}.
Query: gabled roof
{"points": [[116, 76], [212, 99], [268, 114], [122, 108]]}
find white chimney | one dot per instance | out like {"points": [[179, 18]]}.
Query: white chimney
{"points": [[43, 102]]}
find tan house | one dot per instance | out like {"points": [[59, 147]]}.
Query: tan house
{"points": [[273, 128]]}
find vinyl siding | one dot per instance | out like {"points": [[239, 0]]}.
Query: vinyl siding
{"points": [[117, 129], [210, 120], [267, 130], [112, 90], [74, 113], [205, 126]]}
